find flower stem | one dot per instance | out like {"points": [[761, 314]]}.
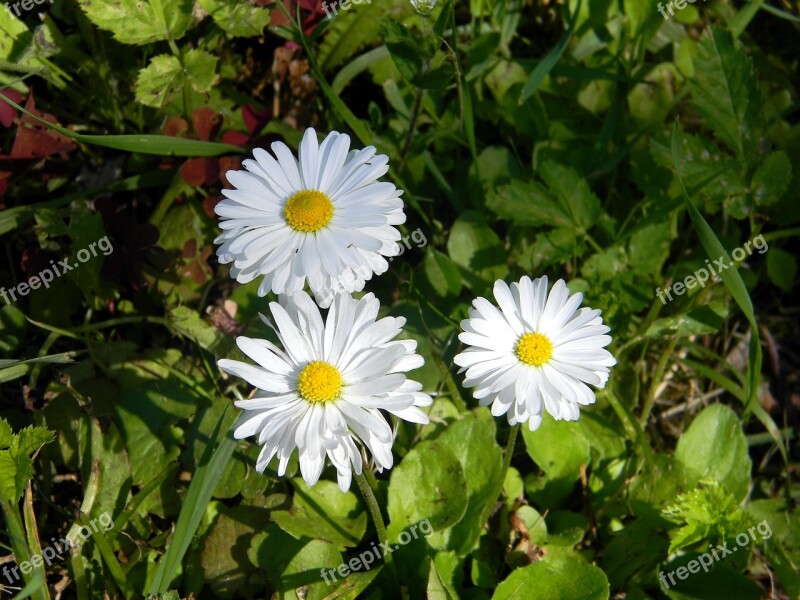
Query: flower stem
{"points": [[377, 519], [512, 439]]}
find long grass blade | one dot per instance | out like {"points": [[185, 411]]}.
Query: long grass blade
{"points": [[733, 282], [212, 465], [543, 68], [162, 145]]}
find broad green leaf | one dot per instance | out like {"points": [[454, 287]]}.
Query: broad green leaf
{"points": [[781, 268], [442, 273], [428, 483], [568, 577], [721, 581], [472, 441], [725, 91], [638, 547], [140, 21], [301, 580], [443, 571], [225, 570], [237, 17], [477, 250], [323, 512], [714, 447], [559, 448], [771, 179], [406, 52]]}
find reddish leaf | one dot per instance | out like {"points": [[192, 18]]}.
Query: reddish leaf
{"points": [[255, 120], [175, 127], [228, 163], [206, 123], [36, 140], [236, 138], [200, 171], [7, 112], [209, 204]]}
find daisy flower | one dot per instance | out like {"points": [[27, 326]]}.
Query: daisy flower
{"points": [[537, 352], [324, 392], [323, 218]]}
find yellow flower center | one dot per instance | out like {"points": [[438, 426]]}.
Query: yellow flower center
{"points": [[534, 349], [319, 382], [308, 211]]}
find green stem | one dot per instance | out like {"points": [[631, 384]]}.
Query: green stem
{"points": [[16, 535], [509, 452], [377, 519]]}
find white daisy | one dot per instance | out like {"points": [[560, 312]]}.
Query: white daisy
{"points": [[324, 218], [538, 352], [325, 390]]}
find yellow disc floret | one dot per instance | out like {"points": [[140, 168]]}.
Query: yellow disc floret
{"points": [[319, 382], [308, 211], [534, 349]]}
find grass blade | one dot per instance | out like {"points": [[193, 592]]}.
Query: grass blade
{"points": [[733, 282], [212, 465], [161, 145], [544, 67]]}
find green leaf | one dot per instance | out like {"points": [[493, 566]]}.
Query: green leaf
{"points": [[323, 512], [165, 76], [238, 18], [725, 90], [444, 569], [406, 53], [771, 179], [201, 70], [140, 21], [30, 439], [428, 484], [714, 447], [157, 82], [566, 202], [357, 28], [442, 273], [699, 321], [559, 448], [721, 581], [476, 249], [568, 577], [6, 435], [781, 268], [472, 442]]}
